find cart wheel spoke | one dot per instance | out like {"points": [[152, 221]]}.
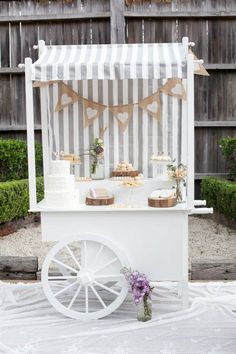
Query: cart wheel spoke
{"points": [[84, 255], [74, 297], [105, 287], [98, 296], [64, 289], [62, 277], [98, 254], [73, 257], [86, 299], [87, 284], [64, 265], [106, 264]]}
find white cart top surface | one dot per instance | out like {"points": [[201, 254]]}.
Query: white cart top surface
{"points": [[126, 199]]}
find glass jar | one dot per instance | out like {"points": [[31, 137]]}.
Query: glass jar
{"points": [[180, 191], [144, 309], [98, 171]]}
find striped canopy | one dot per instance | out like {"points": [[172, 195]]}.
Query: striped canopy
{"points": [[111, 62]]}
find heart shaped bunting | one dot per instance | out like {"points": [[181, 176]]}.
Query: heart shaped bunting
{"points": [[66, 97], [174, 87], [92, 111], [152, 105], [123, 114]]}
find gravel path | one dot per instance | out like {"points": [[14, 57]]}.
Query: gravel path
{"points": [[207, 239]]}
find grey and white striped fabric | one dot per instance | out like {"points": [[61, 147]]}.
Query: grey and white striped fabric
{"points": [[111, 62], [143, 136]]}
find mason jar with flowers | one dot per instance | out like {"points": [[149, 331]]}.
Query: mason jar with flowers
{"points": [[178, 173], [96, 151], [141, 292]]}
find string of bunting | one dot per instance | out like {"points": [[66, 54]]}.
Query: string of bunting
{"points": [[122, 113]]}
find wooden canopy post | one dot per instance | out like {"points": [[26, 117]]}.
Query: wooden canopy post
{"points": [[30, 133], [190, 130], [44, 121]]}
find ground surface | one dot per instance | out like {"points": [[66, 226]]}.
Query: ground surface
{"points": [[207, 239]]}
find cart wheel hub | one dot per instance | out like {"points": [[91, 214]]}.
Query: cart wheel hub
{"points": [[85, 277]]}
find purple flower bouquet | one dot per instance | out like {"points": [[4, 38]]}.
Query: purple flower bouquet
{"points": [[141, 292]]}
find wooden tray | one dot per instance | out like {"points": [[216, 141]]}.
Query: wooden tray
{"points": [[162, 202], [125, 173], [99, 201]]}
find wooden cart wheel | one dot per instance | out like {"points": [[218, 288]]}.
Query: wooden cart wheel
{"points": [[81, 277]]}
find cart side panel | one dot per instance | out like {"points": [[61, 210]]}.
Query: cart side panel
{"points": [[156, 243]]}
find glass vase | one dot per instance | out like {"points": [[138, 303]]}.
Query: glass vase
{"points": [[98, 171], [180, 191], [144, 309]]}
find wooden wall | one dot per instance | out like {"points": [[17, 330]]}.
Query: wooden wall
{"points": [[210, 24]]}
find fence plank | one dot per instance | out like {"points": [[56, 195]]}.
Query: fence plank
{"points": [[117, 21]]}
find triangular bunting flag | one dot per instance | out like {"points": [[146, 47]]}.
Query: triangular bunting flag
{"points": [[66, 97], [92, 110], [44, 83], [199, 69], [174, 87], [152, 105], [123, 114]]}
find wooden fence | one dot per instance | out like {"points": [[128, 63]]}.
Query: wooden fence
{"points": [[210, 24]]}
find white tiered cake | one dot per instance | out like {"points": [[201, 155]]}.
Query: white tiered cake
{"points": [[60, 190]]}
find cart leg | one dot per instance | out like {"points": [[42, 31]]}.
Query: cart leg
{"points": [[184, 286]]}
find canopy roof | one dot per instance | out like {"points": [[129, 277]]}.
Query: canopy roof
{"points": [[111, 61]]}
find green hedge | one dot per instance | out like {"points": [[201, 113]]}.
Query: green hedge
{"points": [[221, 195], [14, 198], [13, 159], [228, 147]]}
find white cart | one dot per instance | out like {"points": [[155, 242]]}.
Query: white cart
{"points": [[81, 274]]}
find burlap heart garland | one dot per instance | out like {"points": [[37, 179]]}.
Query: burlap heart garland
{"points": [[66, 96], [175, 88], [123, 114], [199, 69], [152, 104], [92, 111]]}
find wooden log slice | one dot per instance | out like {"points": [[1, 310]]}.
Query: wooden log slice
{"points": [[99, 201], [162, 202], [125, 173]]}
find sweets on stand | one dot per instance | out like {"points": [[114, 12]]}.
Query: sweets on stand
{"points": [[160, 158], [83, 179], [131, 183], [161, 161], [125, 169]]}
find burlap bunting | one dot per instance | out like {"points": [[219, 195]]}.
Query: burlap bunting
{"points": [[175, 88], [41, 84], [66, 96], [123, 114], [152, 105], [199, 69], [92, 111]]}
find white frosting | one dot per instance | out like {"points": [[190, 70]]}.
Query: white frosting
{"points": [[60, 190], [60, 167], [60, 183]]}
